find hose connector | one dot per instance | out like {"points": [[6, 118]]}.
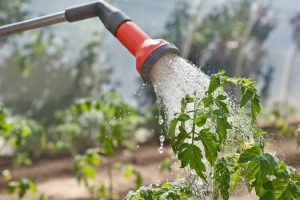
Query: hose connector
{"points": [[110, 16]]}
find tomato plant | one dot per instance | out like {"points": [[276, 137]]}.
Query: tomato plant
{"points": [[177, 190], [85, 168], [111, 124], [105, 123], [207, 137], [26, 137]]}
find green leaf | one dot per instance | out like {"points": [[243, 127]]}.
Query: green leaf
{"points": [[172, 128], [177, 190], [210, 145], [191, 155], [11, 187], [200, 120], [246, 96], [101, 191], [222, 126], [207, 101], [32, 188], [43, 197], [249, 154], [221, 179], [258, 166], [183, 117], [88, 171], [255, 107], [214, 83], [281, 189]]}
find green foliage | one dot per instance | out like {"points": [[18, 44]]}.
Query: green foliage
{"points": [[177, 190], [108, 122], [270, 177], [208, 118], [26, 137], [84, 168], [166, 165], [221, 179], [248, 90], [21, 187], [39, 50], [130, 171], [111, 124]]}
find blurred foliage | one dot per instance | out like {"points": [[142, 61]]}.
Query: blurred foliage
{"points": [[41, 53], [96, 128], [21, 187], [84, 169], [129, 171], [44, 54], [106, 123], [12, 11], [26, 137], [279, 116], [42, 50], [230, 37]]}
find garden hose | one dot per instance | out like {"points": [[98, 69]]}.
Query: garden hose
{"points": [[146, 50]]}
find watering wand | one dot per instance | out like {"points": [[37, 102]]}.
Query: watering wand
{"points": [[146, 50]]}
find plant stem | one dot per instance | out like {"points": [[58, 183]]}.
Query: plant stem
{"points": [[110, 180], [193, 128], [190, 111]]}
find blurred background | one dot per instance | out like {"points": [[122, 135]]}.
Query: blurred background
{"points": [[60, 86]]}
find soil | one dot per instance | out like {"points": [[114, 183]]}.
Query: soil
{"points": [[54, 177]]}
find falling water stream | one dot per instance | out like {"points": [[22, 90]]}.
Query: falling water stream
{"points": [[174, 77]]}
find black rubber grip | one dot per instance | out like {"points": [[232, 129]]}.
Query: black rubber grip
{"points": [[110, 16]]}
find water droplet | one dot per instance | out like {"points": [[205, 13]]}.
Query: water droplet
{"points": [[161, 149], [162, 138], [160, 120], [157, 183]]}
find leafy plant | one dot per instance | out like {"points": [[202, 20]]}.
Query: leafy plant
{"points": [[202, 132], [26, 137], [177, 190], [110, 123], [21, 187], [210, 124], [129, 171], [85, 167], [106, 124]]}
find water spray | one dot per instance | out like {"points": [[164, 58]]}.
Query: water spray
{"points": [[146, 50]]}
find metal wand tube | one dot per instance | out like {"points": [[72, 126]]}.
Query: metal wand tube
{"points": [[33, 23]]}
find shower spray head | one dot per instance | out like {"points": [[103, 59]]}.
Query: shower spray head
{"points": [[146, 50]]}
